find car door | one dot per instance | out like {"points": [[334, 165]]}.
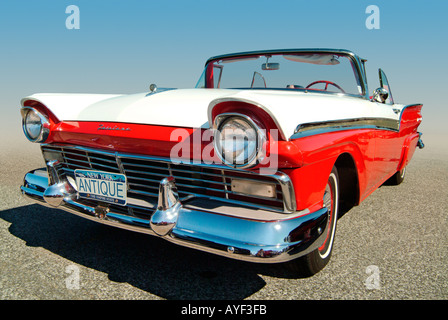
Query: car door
{"points": [[388, 141]]}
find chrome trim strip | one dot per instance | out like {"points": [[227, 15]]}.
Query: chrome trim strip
{"points": [[386, 123], [312, 128]]}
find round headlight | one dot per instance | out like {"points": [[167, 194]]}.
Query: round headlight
{"points": [[35, 125], [238, 141]]}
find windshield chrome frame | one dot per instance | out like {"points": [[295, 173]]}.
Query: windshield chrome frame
{"points": [[358, 64]]}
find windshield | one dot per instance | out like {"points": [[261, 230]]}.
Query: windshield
{"points": [[292, 71]]}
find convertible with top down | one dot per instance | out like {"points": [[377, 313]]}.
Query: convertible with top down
{"points": [[256, 162]]}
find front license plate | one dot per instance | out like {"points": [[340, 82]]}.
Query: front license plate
{"points": [[101, 186]]}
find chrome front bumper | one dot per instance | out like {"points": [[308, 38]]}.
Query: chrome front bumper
{"points": [[272, 238]]}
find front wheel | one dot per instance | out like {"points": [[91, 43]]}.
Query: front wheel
{"points": [[315, 261]]}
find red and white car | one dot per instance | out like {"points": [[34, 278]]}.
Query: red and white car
{"points": [[254, 163]]}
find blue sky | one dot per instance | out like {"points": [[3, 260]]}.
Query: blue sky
{"points": [[123, 46]]}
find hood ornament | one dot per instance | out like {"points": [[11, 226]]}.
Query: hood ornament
{"points": [[152, 88]]}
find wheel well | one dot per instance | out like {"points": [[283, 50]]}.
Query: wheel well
{"points": [[348, 183]]}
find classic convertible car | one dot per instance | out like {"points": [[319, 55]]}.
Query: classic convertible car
{"points": [[255, 163]]}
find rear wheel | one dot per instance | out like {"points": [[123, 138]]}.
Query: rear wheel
{"points": [[315, 261], [397, 178]]}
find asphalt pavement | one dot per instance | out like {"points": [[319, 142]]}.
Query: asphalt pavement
{"points": [[392, 246]]}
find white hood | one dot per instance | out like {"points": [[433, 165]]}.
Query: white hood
{"points": [[188, 107]]}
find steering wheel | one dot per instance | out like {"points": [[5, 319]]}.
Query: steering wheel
{"points": [[326, 84]]}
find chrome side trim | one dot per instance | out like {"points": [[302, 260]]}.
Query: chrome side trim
{"points": [[312, 128], [307, 129], [385, 123]]}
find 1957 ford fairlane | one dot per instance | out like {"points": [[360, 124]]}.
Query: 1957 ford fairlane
{"points": [[254, 163]]}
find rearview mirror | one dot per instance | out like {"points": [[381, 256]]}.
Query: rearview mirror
{"points": [[270, 66]]}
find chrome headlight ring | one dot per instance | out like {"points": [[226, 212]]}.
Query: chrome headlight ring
{"points": [[238, 140], [35, 125]]}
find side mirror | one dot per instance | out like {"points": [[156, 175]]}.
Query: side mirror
{"points": [[380, 95]]}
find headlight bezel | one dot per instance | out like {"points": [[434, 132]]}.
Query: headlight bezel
{"points": [[260, 140], [44, 131]]}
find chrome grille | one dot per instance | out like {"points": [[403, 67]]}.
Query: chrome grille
{"points": [[144, 174]]}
